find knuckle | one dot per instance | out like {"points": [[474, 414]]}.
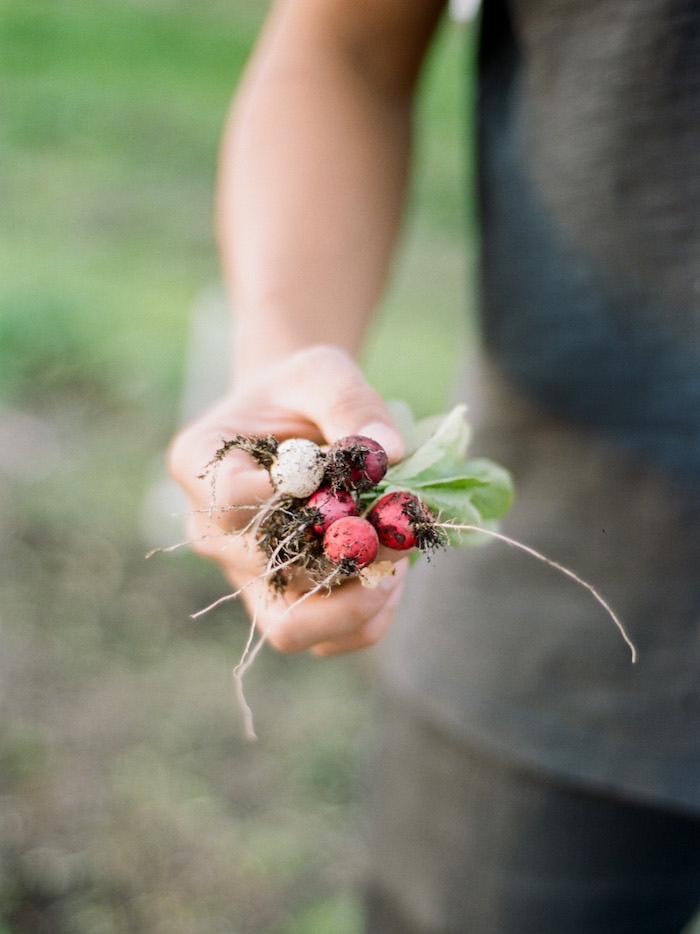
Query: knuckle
{"points": [[177, 454], [282, 640], [353, 403], [186, 457], [358, 612], [204, 547], [348, 400], [325, 359], [371, 636]]}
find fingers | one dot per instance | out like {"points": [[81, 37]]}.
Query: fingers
{"points": [[365, 636], [318, 393], [325, 386], [349, 405], [347, 618], [191, 463]]}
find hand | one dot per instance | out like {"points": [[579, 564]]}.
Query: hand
{"points": [[318, 393]]}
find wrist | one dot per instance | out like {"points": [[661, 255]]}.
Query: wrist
{"points": [[264, 340]]}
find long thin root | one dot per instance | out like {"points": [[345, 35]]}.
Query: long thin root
{"points": [[251, 650], [557, 567]]}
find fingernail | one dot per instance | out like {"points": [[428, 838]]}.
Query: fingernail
{"points": [[388, 437]]}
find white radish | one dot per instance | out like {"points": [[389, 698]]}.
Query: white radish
{"points": [[298, 468]]}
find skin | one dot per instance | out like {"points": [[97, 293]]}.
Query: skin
{"points": [[312, 183]]}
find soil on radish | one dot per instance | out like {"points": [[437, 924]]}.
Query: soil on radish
{"points": [[403, 521], [356, 463], [292, 530], [263, 450]]}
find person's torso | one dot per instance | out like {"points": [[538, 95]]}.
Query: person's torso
{"points": [[590, 197]]}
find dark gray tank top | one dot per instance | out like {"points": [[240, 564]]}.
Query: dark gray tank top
{"points": [[590, 200], [589, 390]]}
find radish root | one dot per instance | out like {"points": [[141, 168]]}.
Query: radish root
{"points": [[251, 650], [557, 567]]}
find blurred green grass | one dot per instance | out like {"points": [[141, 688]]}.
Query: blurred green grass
{"points": [[111, 119], [111, 115], [129, 801]]}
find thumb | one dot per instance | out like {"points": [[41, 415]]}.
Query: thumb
{"points": [[387, 435], [331, 390]]}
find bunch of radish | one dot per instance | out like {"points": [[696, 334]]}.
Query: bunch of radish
{"points": [[332, 508], [319, 519]]}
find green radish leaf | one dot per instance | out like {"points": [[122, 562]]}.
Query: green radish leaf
{"points": [[457, 490], [492, 498], [415, 432], [445, 447], [491, 489], [450, 505]]}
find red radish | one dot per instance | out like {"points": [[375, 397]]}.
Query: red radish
{"points": [[329, 505], [356, 463], [403, 521], [351, 543]]}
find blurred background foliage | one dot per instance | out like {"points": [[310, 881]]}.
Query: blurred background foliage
{"points": [[129, 800]]}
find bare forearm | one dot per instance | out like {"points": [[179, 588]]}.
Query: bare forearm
{"points": [[312, 180], [313, 172]]}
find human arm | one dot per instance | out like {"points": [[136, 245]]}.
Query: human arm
{"points": [[313, 171], [312, 181]]}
